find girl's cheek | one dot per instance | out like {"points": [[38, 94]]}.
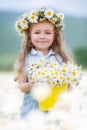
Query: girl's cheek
{"points": [[36, 36]]}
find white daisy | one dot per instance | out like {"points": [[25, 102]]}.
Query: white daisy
{"points": [[53, 20], [61, 15], [24, 23], [61, 78], [33, 12], [33, 18], [49, 13], [64, 70], [25, 15], [18, 25]]}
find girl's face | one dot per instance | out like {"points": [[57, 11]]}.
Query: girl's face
{"points": [[42, 36]]}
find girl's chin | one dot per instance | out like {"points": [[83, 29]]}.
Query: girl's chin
{"points": [[42, 47]]}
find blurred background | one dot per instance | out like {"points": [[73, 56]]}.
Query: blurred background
{"points": [[75, 30]]}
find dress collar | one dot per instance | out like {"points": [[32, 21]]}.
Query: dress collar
{"points": [[35, 52]]}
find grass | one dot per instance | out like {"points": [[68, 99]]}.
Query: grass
{"points": [[7, 61], [80, 55]]}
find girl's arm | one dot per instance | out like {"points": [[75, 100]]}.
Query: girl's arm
{"points": [[23, 83]]}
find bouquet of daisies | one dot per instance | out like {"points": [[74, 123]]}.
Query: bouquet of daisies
{"points": [[54, 74]]}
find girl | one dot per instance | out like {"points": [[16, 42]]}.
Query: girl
{"points": [[43, 38]]}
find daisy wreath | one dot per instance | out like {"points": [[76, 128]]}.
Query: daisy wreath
{"points": [[34, 16]]}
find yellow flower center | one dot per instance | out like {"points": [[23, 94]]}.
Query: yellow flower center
{"points": [[49, 82], [32, 17], [43, 73], [25, 27], [47, 77], [24, 22], [50, 64], [53, 21], [64, 70], [53, 83], [56, 72], [68, 78], [61, 77], [61, 15], [32, 68], [75, 80], [39, 73], [32, 78], [49, 13], [74, 73], [41, 60], [19, 22]]}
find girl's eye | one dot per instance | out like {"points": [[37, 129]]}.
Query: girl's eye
{"points": [[48, 33], [36, 32], [45, 33]]}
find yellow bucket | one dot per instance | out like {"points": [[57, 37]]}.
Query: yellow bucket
{"points": [[50, 101]]}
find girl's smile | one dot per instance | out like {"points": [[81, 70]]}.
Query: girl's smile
{"points": [[42, 36]]}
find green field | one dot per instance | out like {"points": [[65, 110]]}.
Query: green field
{"points": [[7, 61]]}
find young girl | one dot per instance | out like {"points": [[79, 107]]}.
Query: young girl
{"points": [[43, 38]]}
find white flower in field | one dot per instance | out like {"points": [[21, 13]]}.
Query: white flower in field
{"points": [[70, 112], [10, 106], [69, 124], [20, 125], [6, 124], [52, 126], [56, 115], [40, 91], [81, 123], [35, 120]]}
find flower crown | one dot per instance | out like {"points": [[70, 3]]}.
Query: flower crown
{"points": [[34, 16]]}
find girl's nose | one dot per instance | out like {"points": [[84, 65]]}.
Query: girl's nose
{"points": [[42, 36]]}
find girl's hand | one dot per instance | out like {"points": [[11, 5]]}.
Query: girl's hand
{"points": [[31, 84], [23, 83], [26, 86]]}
